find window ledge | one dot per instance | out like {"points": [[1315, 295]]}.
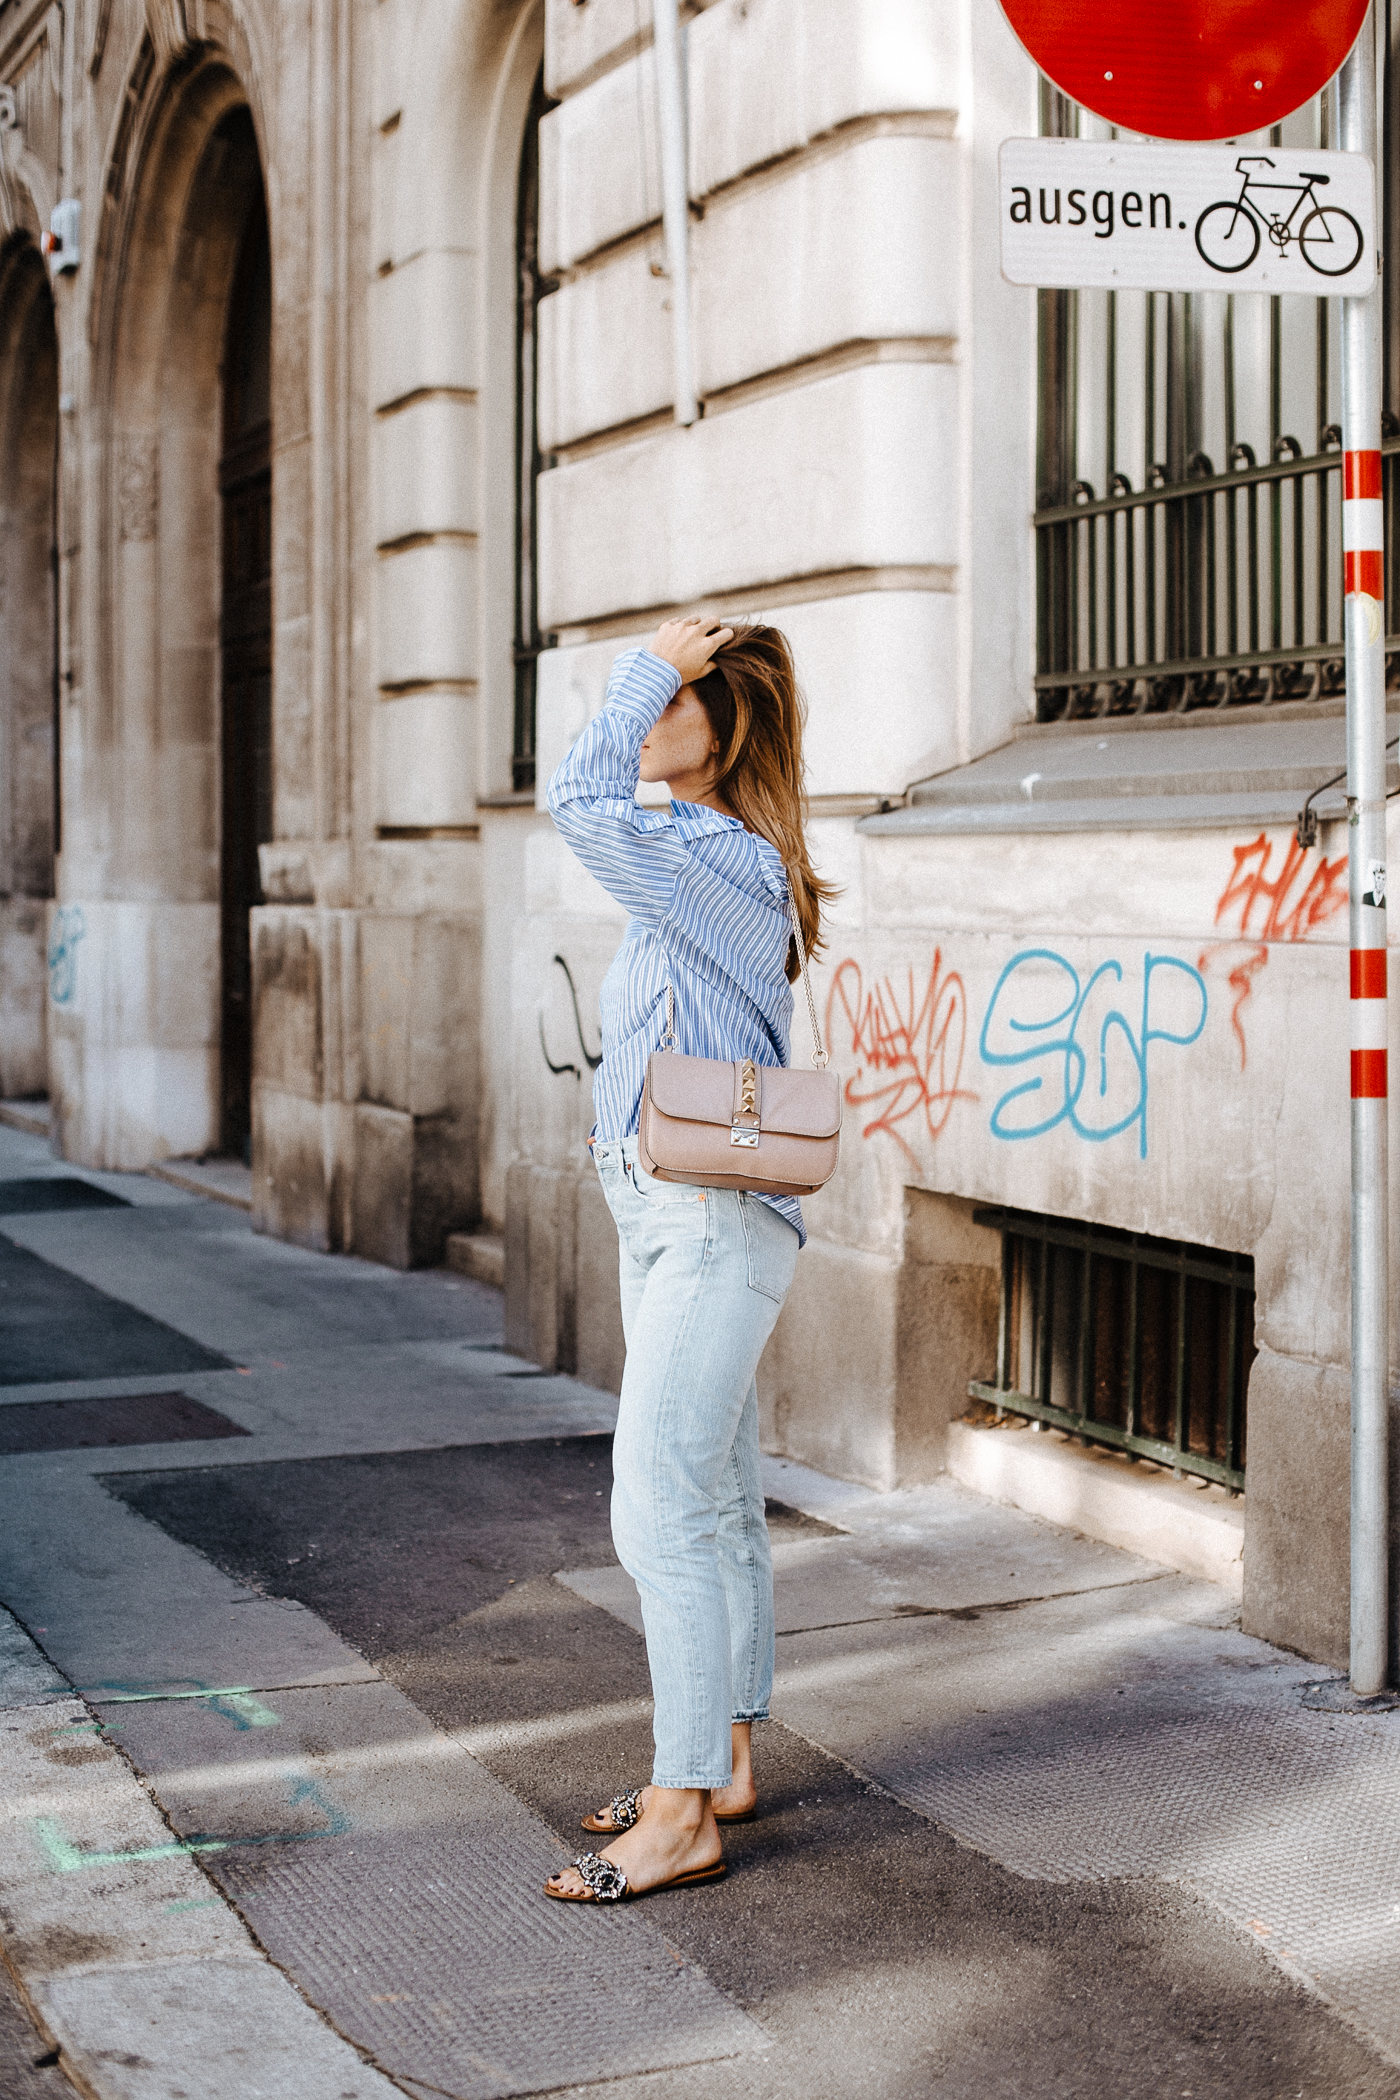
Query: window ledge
{"points": [[1198, 1530], [1092, 776]]}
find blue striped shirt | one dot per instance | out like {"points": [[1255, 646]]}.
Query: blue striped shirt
{"points": [[707, 900]]}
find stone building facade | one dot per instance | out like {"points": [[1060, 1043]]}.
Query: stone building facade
{"points": [[336, 464]]}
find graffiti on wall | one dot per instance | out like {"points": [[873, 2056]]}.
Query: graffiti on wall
{"points": [[591, 1059], [1085, 1053], [1287, 912], [65, 932], [909, 1045], [1084, 1042], [1262, 907]]}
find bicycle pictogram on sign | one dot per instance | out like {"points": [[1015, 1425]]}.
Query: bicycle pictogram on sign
{"points": [[1228, 233]]}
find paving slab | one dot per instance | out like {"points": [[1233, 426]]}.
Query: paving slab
{"points": [[944, 1551], [400, 1885], [27, 1678], [201, 2030], [200, 1267], [90, 1873], [26, 1153], [54, 1325], [120, 1606], [27, 1193]]}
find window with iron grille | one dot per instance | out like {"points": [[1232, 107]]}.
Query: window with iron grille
{"points": [[1137, 1343], [1188, 481], [530, 288]]}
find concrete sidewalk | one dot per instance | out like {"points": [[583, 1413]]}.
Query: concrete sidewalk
{"points": [[302, 1697]]}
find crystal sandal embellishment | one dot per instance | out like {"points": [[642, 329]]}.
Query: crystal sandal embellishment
{"points": [[608, 1882], [603, 1882], [621, 1813], [625, 1809]]}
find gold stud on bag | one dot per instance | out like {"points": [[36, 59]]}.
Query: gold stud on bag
{"points": [[741, 1125]]}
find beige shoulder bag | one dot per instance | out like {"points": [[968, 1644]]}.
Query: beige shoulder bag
{"points": [[741, 1125]]}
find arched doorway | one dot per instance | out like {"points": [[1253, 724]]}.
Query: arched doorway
{"points": [[150, 1057], [245, 638], [28, 660]]}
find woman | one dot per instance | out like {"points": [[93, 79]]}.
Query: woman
{"points": [[715, 713]]}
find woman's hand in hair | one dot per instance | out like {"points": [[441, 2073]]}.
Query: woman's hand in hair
{"points": [[689, 645]]}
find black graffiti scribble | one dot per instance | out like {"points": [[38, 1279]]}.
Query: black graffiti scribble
{"points": [[585, 1053]]}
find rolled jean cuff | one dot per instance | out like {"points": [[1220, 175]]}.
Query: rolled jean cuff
{"points": [[677, 1785], [755, 1713]]}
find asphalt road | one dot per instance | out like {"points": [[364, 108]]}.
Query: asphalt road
{"points": [[882, 1958]]}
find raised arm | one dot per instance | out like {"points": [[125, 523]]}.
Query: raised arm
{"points": [[632, 851]]}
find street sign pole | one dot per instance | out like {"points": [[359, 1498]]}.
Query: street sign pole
{"points": [[1364, 557]]}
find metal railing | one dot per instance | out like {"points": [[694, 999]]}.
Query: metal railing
{"points": [[1217, 591], [1138, 1343]]}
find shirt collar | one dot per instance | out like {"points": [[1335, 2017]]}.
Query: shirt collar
{"points": [[698, 816], [704, 818]]}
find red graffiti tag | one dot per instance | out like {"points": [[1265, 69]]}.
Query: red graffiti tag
{"points": [[1290, 912], [1324, 895], [1241, 981], [911, 1054]]}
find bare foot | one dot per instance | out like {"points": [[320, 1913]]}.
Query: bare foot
{"points": [[740, 1797], [677, 1835], [736, 1799]]}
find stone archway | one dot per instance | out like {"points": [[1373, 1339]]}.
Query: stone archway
{"points": [[28, 660], [137, 1052]]}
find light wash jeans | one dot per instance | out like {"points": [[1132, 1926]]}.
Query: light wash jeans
{"points": [[704, 1274]]}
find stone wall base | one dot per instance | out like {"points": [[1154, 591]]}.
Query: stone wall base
{"points": [[24, 1050], [366, 1081], [1297, 1554], [563, 1306]]}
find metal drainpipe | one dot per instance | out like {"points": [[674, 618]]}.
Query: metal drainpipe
{"points": [[1364, 562], [675, 199]]}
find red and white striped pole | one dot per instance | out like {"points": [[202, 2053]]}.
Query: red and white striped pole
{"points": [[1363, 539]]}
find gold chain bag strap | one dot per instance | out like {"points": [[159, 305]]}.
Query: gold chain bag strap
{"points": [[741, 1125]]}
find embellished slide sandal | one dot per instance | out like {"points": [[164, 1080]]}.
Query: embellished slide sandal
{"points": [[606, 1883], [624, 1809]]}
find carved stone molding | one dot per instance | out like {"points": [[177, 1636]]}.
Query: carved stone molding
{"points": [[169, 28], [99, 38], [138, 485]]}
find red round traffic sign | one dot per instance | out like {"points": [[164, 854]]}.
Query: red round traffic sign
{"points": [[1188, 69]]}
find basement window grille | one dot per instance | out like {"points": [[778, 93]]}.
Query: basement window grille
{"points": [[1137, 1343]]}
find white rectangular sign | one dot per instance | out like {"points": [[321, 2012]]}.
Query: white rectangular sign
{"points": [[1081, 213]]}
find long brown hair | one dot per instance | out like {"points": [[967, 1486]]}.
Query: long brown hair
{"points": [[757, 713]]}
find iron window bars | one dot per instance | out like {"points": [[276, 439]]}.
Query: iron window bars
{"points": [[1222, 589], [531, 287], [1138, 1343]]}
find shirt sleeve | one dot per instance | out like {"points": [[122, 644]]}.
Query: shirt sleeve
{"points": [[634, 852]]}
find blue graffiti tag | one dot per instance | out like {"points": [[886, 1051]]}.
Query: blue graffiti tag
{"points": [[67, 930], [1056, 1035]]}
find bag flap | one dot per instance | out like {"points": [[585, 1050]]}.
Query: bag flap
{"points": [[701, 1090]]}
